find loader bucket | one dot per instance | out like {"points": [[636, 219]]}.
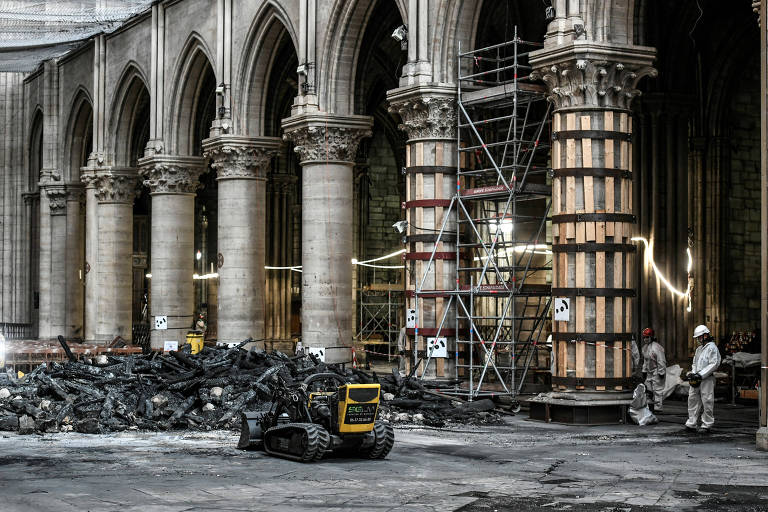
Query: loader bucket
{"points": [[251, 436]]}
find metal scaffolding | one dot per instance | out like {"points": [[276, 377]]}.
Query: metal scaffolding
{"points": [[501, 301], [380, 310]]}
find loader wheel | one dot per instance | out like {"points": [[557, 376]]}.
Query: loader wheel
{"points": [[323, 443], [384, 439]]}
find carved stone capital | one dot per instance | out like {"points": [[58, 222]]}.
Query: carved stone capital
{"points": [[427, 112], [320, 137], [167, 174], [57, 200], [58, 195], [236, 157], [586, 74], [116, 187], [30, 197]]}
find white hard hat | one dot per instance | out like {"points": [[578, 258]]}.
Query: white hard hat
{"points": [[700, 331]]}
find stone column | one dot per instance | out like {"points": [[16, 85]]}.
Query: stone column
{"points": [[172, 181], [591, 86], [53, 260], [28, 313], [326, 145], [429, 118], [241, 165], [88, 176], [75, 292], [114, 192]]}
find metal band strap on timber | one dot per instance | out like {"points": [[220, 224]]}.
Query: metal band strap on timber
{"points": [[592, 336], [431, 238], [593, 292], [593, 217], [431, 169], [425, 256], [597, 172], [592, 134], [428, 203], [431, 331], [594, 247], [591, 381], [429, 294]]}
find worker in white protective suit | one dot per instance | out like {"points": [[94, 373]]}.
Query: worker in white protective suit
{"points": [[701, 395], [654, 368]]}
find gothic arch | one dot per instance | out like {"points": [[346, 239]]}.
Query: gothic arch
{"points": [[456, 28], [194, 67], [128, 106], [35, 151], [78, 135], [347, 24], [265, 39]]}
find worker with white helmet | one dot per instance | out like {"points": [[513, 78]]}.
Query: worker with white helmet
{"points": [[701, 394], [654, 368]]}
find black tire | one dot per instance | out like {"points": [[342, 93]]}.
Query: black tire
{"points": [[313, 447], [323, 443], [384, 440]]}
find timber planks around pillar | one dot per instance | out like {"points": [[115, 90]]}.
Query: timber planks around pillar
{"points": [[592, 252], [431, 172]]}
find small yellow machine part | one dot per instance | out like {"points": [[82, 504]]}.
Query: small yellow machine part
{"points": [[20, 375], [358, 405], [195, 341]]}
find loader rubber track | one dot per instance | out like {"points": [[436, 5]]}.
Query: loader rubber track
{"points": [[302, 442]]}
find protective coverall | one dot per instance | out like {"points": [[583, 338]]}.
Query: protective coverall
{"points": [[655, 370], [701, 400]]}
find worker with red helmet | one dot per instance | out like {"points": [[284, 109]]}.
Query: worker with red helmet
{"points": [[654, 368]]}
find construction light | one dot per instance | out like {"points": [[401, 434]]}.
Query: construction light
{"points": [[650, 261], [2, 352], [506, 226], [401, 35], [292, 269]]}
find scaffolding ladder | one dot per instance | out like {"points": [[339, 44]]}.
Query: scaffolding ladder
{"points": [[502, 298]]}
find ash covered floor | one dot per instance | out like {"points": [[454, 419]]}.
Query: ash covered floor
{"points": [[520, 466]]}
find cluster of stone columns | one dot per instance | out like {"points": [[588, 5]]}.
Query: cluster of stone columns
{"points": [[61, 290]]}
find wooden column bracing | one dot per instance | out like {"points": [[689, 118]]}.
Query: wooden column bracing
{"points": [[594, 257], [429, 119], [591, 86]]}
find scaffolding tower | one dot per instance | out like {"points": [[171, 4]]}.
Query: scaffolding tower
{"points": [[501, 301]]}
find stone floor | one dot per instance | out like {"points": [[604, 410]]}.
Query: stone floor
{"points": [[521, 466]]}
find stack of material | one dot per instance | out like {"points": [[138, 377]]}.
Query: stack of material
{"points": [[408, 400], [178, 390]]}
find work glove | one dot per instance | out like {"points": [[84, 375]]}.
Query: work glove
{"points": [[695, 380]]}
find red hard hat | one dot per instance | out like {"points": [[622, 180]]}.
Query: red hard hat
{"points": [[647, 332]]}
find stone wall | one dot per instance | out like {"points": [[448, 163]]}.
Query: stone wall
{"points": [[742, 207], [383, 210]]}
